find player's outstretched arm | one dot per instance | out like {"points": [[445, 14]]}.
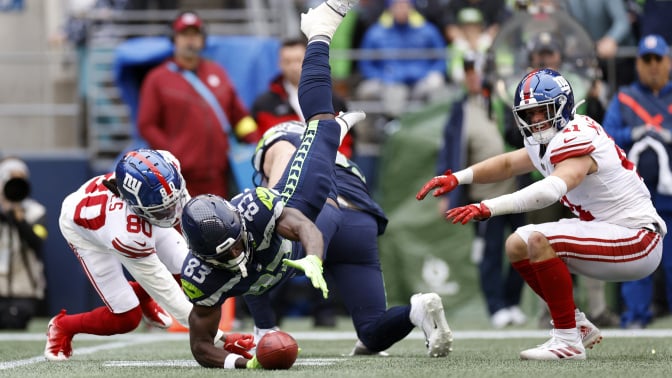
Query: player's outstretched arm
{"points": [[295, 226], [203, 325]]}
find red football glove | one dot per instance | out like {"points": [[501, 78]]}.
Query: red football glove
{"points": [[445, 184], [463, 214], [239, 343]]}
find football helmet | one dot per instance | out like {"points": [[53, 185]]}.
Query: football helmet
{"points": [[215, 232], [152, 187], [550, 91], [292, 131]]}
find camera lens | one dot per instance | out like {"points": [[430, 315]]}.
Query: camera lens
{"points": [[17, 189]]}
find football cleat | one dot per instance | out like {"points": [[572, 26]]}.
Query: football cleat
{"points": [[427, 313], [153, 314], [59, 343], [556, 349], [361, 350], [322, 20], [341, 6], [590, 334]]}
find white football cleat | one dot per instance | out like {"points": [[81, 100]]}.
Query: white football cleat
{"points": [[322, 20], [361, 350], [518, 317], [556, 349], [590, 334], [501, 318], [341, 6], [427, 313]]}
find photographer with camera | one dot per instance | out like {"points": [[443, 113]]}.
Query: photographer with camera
{"points": [[22, 234]]}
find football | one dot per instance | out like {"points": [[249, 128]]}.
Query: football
{"points": [[277, 350]]}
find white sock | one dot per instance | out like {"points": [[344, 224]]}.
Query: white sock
{"points": [[570, 335]]}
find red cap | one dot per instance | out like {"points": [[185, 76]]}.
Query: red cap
{"points": [[185, 20]]}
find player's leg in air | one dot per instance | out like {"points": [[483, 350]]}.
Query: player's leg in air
{"points": [[316, 155]]}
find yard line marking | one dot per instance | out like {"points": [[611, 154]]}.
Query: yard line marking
{"points": [[345, 335], [160, 363], [192, 363], [121, 341], [80, 351]]}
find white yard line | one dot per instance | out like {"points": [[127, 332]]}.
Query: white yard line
{"points": [[121, 341]]}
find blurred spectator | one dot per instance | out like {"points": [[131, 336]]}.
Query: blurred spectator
{"points": [[151, 4], [396, 80], [607, 23], [473, 40], [173, 115], [470, 136], [494, 14], [640, 121], [655, 19], [281, 102], [22, 234]]}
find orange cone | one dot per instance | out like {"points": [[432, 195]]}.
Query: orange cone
{"points": [[177, 327], [228, 314]]}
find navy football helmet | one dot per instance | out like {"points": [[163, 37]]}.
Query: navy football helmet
{"points": [[545, 89], [215, 232], [152, 186]]}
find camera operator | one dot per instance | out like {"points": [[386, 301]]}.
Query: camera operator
{"points": [[22, 234]]}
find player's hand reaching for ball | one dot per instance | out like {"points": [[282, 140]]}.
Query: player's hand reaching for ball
{"points": [[239, 343]]}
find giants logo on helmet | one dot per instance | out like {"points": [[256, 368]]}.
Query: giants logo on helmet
{"points": [[131, 184]]}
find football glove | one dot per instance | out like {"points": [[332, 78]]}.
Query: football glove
{"points": [[311, 265], [253, 364], [463, 214], [445, 183], [239, 343]]}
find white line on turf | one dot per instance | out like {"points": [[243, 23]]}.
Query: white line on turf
{"points": [[120, 341]]}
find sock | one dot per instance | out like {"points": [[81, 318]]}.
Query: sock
{"points": [[525, 270], [570, 334], [101, 321], [556, 284], [315, 84]]}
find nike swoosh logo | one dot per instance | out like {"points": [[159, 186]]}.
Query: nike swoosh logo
{"points": [[143, 244], [567, 140]]}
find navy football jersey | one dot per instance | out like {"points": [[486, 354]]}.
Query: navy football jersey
{"points": [[350, 183], [209, 286]]}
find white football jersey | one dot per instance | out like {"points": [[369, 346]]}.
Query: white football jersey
{"points": [[615, 193], [101, 219]]}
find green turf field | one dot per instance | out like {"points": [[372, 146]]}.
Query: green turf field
{"points": [[478, 352]]}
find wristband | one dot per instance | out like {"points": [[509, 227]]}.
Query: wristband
{"points": [[230, 361], [465, 176]]}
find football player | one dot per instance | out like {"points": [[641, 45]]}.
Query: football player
{"points": [[617, 235], [126, 219], [263, 236], [351, 259]]}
